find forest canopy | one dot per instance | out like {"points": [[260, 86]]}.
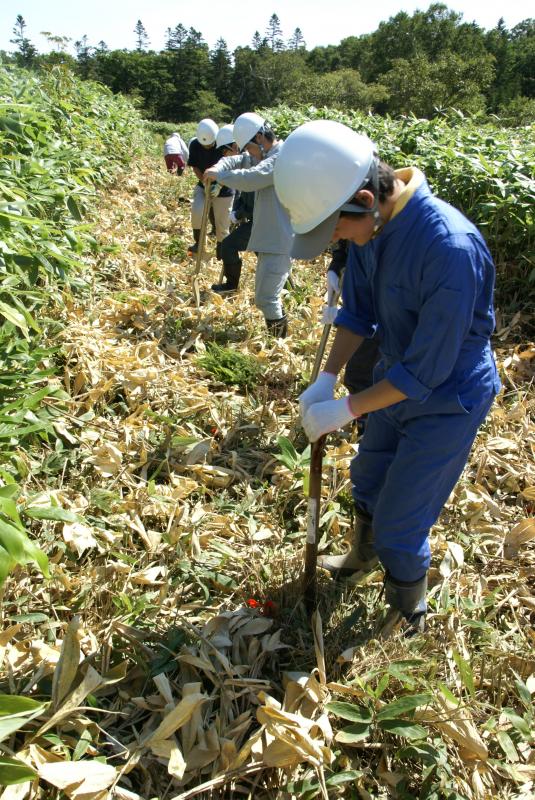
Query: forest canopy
{"points": [[421, 64]]}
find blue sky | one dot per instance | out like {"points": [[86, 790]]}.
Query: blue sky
{"points": [[321, 21]]}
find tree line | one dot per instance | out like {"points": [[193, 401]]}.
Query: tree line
{"points": [[420, 63]]}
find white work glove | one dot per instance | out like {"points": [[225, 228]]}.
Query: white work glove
{"points": [[215, 188], [333, 285], [233, 218], [322, 389], [328, 314], [322, 418]]}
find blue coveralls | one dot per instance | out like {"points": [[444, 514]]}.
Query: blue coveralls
{"points": [[426, 284]]}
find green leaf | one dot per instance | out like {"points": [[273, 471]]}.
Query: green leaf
{"points": [[397, 671], [12, 540], [21, 548], [353, 733], [465, 671], [9, 491], [15, 317], [16, 704], [402, 727], [507, 745], [6, 564], [523, 692], [51, 512], [36, 616], [382, 685], [519, 723], [16, 711], [288, 455], [14, 771], [344, 777], [9, 508], [72, 205], [349, 711], [403, 705], [425, 753], [448, 694]]}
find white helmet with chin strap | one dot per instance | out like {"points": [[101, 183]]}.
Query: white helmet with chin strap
{"points": [[246, 127], [320, 167], [206, 131], [225, 136]]}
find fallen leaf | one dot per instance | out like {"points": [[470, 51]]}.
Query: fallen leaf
{"points": [[78, 778]]}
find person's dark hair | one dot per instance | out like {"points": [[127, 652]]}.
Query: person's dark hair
{"points": [[268, 132], [386, 178]]}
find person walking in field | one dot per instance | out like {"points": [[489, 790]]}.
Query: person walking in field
{"points": [[175, 151], [241, 217], [203, 153], [420, 275], [271, 233]]}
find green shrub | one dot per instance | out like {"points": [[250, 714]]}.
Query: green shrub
{"points": [[231, 367]]}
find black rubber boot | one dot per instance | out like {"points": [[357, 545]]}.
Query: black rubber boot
{"points": [[196, 236], [232, 279], [278, 327], [407, 601], [360, 558]]}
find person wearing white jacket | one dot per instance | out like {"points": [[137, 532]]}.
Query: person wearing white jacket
{"points": [[175, 153], [271, 234]]}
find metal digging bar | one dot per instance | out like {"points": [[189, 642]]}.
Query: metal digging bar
{"points": [[314, 488], [202, 243]]}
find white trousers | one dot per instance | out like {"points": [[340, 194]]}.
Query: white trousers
{"points": [[222, 207]]}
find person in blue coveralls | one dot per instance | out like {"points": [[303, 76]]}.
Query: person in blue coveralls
{"points": [[420, 277]]}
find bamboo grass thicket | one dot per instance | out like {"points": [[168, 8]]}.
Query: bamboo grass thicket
{"points": [[61, 139]]}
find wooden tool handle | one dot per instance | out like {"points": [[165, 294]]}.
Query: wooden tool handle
{"points": [[313, 520]]}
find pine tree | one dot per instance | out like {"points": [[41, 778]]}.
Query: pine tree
{"points": [[176, 37], [258, 42], [27, 52], [195, 38], [142, 39], [221, 64], [274, 33], [297, 40], [83, 55]]}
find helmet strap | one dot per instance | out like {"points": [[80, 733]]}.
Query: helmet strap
{"points": [[373, 178]]}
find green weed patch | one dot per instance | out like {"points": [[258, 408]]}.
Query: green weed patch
{"points": [[231, 367]]}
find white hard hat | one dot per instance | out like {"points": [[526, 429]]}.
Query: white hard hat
{"points": [[319, 168], [246, 127], [225, 136], [206, 131]]}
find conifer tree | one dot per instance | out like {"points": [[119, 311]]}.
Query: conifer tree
{"points": [[26, 50], [297, 40], [142, 39], [176, 37], [274, 34]]}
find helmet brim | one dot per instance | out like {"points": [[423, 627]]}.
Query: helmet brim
{"points": [[309, 245]]}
